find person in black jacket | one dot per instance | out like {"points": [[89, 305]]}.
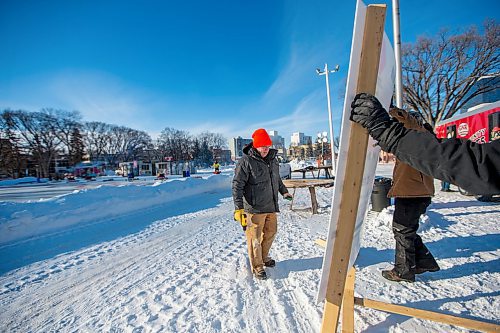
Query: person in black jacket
{"points": [[472, 166], [256, 184]]}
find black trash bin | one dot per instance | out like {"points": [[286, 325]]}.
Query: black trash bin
{"points": [[379, 197]]}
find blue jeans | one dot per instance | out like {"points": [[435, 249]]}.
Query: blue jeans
{"points": [[445, 186]]}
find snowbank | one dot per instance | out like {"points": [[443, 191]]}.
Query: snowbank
{"points": [[24, 180], [24, 220]]}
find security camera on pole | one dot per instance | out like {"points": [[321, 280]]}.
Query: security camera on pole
{"points": [[325, 72]]}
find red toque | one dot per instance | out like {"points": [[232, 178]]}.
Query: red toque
{"points": [[261, 138]]}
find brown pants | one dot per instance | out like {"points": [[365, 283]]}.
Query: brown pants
{"points": [[260, 233]]}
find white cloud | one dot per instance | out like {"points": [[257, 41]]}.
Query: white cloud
{"points": [[99, 96]]}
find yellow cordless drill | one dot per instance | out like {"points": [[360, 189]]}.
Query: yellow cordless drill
{"points": [[241, 216]]}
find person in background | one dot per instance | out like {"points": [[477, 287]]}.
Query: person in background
{"points": [[216, 166], [469, 165], [445, 186], [256, 185], [412, 191]]}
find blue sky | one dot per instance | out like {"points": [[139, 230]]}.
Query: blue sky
{"points": [[221, 66]]}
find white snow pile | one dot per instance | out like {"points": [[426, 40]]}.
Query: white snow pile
{"points": [[22, 220], [24, 180]]}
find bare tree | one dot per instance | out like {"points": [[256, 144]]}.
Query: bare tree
{"points": [[36, 131], [116, 145], [176, 144], [440, 73], [209, 144], [136, 142], [65, 125], [96, 137]]}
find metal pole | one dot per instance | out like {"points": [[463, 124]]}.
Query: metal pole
{"points": [[332, 138], [397, 52]]}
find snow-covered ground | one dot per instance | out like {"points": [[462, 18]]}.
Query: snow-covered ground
{"points": [[168, 257]]}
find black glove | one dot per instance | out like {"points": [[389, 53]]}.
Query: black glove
{"points": [[369, 113]]}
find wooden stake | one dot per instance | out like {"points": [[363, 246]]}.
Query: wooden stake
{"points": [[348, 303], [321, 242], [358, 141], [314, 201]]}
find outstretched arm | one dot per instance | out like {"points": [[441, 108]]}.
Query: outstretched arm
{"points": [[472, 166]]}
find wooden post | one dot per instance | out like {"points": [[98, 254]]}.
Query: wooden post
{"points": [[314, 202], [348, 303], [428, 315], [320, 242], [358, 141]]}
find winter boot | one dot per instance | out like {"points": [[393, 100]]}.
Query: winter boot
{"points": [[270, 263], [392, 275], [425, 262], [420, 270], [261, 275]]}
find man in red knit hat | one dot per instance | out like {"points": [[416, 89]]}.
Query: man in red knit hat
{"points": [[256, 185]]}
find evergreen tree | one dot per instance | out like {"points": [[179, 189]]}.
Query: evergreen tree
{"points": [[77, 147]]}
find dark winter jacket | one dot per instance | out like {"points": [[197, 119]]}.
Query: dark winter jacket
{"points": [[408, 182], [257, 181], [472, 166]]}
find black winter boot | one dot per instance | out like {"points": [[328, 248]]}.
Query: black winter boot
{"points": [[261, 275], [420, 270], [270, 263], [392, 275]]}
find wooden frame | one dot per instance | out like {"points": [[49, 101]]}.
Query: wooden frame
{"points": [[350, 300], [348, 313]]}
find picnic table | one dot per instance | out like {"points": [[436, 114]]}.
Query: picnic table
{"points": [[304, 170], [311, 184], [327, 171]]}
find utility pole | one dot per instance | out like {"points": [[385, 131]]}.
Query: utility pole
{"points": [[397, 52], [325, 72]]}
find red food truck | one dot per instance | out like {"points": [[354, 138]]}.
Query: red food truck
{"points": [[480, 124]]}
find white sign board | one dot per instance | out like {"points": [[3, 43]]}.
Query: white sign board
{"points": [[385, 88]]}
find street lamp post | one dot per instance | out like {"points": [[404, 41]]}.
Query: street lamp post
{"points": [[325, 72], [322, 138]]}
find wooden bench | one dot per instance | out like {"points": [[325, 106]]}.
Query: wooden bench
{"points": [[311, 184]]}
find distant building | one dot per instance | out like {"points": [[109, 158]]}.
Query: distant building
{"points": [[278, 143], [223, 156], [299, 139], [236, 147], [301, 152]]}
